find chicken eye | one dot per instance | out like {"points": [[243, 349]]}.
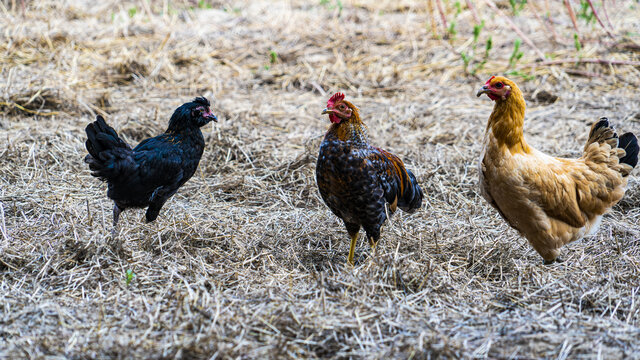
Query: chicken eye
{"points": [[499, 85], [197, 112], [342, 106]]}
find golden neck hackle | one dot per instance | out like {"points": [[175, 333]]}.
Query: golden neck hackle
{"points": [[507, 121], [353, 129]]}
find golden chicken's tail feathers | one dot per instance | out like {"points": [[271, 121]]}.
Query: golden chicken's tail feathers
{"points": [[622, 155], [602, 132], [629, 143]]}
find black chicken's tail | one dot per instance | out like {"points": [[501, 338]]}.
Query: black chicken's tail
{"points": [[411, 198], [109, 155]]}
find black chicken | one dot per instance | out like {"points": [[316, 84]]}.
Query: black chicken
{"points": [[152, 172]]}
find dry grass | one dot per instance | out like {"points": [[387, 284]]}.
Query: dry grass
{"points": [[246, 261]]}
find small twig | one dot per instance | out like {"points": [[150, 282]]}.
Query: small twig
{"points": [[604, 8], [576, 60], [593, 9], [473, 11], [628, 45], [583, 73], [3, 224], [550, 21], [544, 22], [441, 11], [515, 28], [35, 112], [573, 16], [318, 87], [434, 29]]}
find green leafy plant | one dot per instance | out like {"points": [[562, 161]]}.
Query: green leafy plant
{"points": [[521, 74], [452, 30], [476, 31], [338, 5], [202, 4], [133, 11], [516, 54], [576, 42], [586, 12], [129, 275], [273, 58], [467, 58], [517, 5], [234, 10], [488, 47]]}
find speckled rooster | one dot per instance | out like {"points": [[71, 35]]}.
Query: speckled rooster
{"points": [[361, 183]]}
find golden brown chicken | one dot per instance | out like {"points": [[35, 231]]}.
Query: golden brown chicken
{"points": [[550, 201]]}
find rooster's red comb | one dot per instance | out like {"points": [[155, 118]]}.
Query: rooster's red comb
{"points": [[335, 98], [489, 81]]}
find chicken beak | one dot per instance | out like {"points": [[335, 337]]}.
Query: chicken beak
{"points": [[327, 111], [483, 90], [209, 116]]}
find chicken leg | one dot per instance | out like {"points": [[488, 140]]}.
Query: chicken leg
{"points": [[352, 249]]}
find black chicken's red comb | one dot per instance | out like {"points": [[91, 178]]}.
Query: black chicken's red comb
{"points": [[335, 98]]}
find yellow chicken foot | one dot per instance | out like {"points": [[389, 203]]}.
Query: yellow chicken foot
{"points": [[374, 246], [352, 249]]}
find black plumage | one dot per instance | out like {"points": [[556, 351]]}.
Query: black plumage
{"points": [[629, 143], [149, 174]]}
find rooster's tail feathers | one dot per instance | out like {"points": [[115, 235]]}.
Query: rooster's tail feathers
{"points": [[411, 198]]}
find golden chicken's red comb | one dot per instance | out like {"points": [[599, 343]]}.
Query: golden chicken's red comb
{"points": [[335, 98], [489, 81]]}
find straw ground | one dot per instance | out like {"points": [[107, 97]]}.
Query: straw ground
{"points": [[246, 261]]}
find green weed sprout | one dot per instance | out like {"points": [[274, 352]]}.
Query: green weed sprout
{"points": [[516, 54], [468, 57], [129, 275], [576, 42], [586, 12], [517, 5]]}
